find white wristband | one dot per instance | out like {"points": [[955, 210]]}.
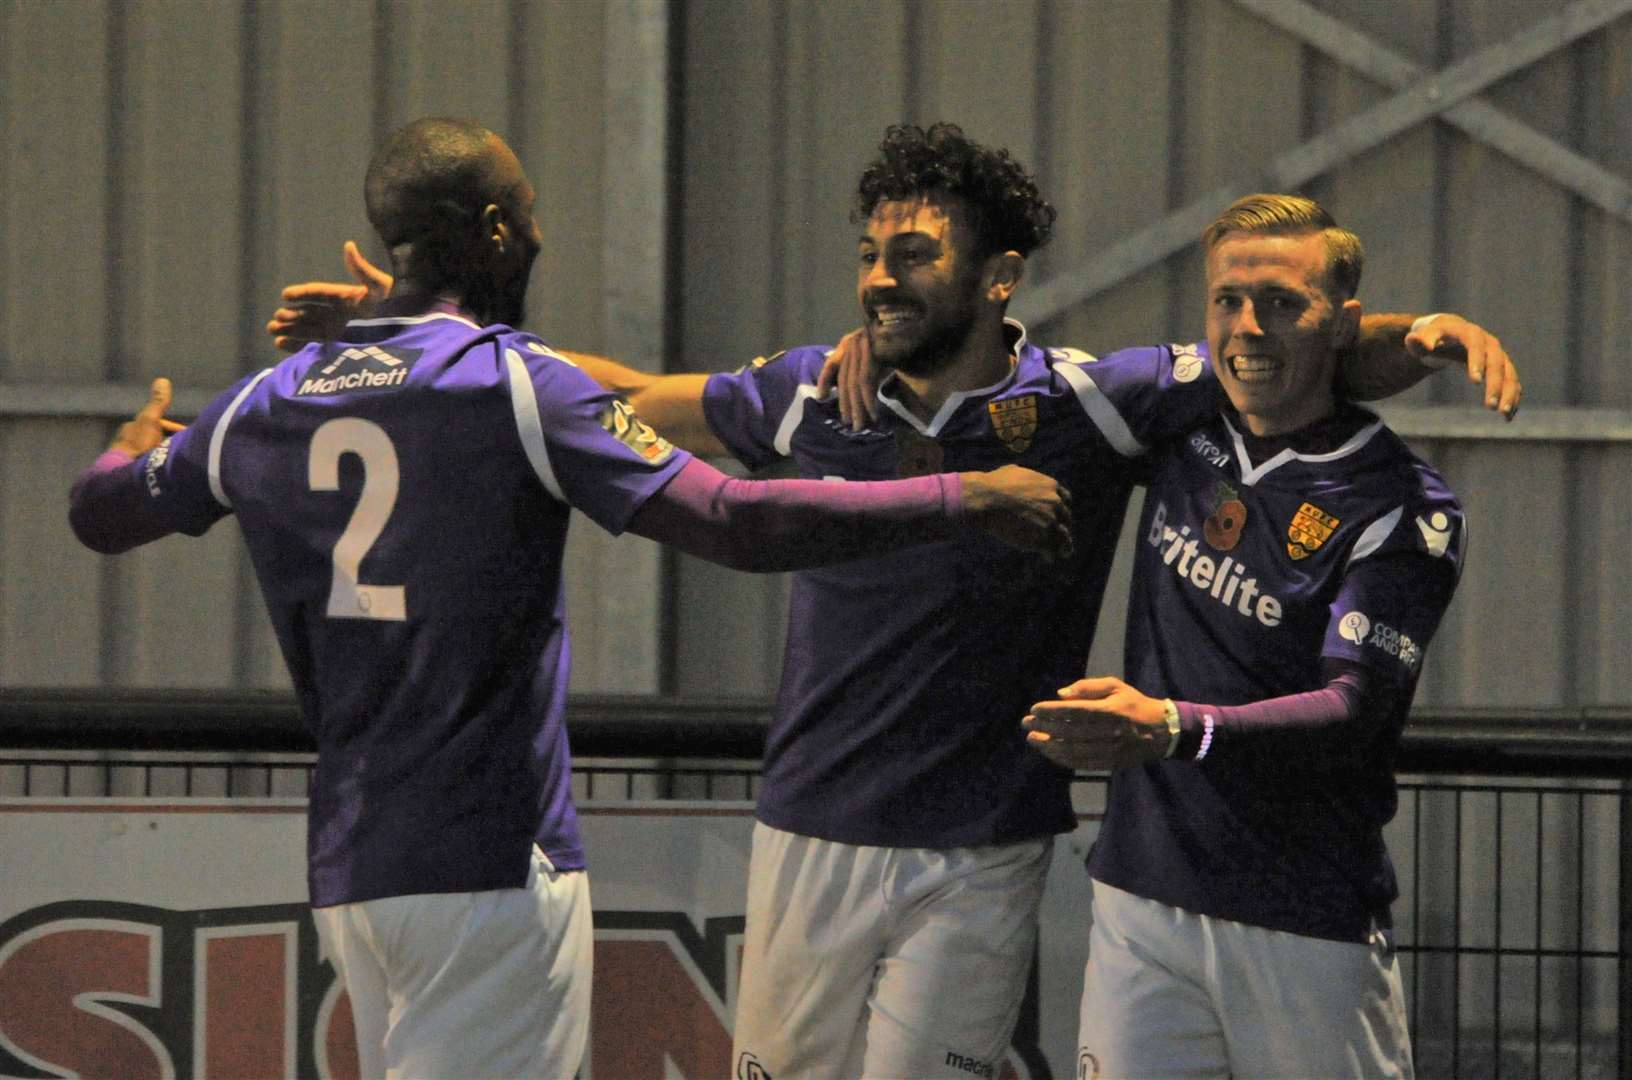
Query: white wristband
{"points": [[1431, 360], [1170, 713]]}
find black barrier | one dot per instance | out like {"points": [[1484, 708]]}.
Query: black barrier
{"points": [[1564, 763], [1592, 742]]}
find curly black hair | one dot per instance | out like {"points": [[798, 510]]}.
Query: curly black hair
{"points": [[1006, 212]]}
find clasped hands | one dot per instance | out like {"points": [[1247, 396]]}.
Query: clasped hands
{"points": [[1098, 724]]}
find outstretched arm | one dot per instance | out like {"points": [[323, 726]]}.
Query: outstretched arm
{"points": [[768, 525], [1395, 352], [673, 404], [1104, 723]]}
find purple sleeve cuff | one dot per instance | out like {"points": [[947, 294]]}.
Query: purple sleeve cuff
{"points": [[1202, 728], [771, 525], [107, 508]]}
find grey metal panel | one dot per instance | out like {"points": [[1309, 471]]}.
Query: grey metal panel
{"points": [[1385, 196], [1104, 164], [1504, 638], [729, 626], [828, 137], [1600, 588], [181, 138], [54, 206], [50, 587], [1601, 297], [445, 60], [615, 587]]}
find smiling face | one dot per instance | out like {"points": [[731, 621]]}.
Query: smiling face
{"points": [[1275, 328], [919, 283]]}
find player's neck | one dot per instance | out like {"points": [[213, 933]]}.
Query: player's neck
{"points": [[983, 360], [408, 298]]}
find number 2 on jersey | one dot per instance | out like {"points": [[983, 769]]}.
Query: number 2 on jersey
{"points": [[348, 598]]}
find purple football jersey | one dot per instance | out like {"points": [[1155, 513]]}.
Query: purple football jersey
{"points": [[404, 494], [1248, 572], [905, 677]]}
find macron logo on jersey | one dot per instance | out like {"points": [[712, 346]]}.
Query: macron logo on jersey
{"points": [[366, 367], [1227, 582]]}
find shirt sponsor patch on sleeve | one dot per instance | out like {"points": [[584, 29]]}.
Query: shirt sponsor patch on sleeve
{"points": [[155, 462], [1369, 633], [622, 422], [1187, 362]]}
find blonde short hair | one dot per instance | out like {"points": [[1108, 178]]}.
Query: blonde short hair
{"points": [[1294, 215]]}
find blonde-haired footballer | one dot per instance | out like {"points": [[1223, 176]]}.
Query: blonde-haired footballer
{"points": [[1294, 559]]}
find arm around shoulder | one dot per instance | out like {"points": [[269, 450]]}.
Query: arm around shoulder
{"points": [[673, 404]]}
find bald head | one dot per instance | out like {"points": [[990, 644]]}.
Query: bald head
{"points": [[451, 202], [430, 178]]}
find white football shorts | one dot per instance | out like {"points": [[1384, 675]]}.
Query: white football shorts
{"points": [[1169, 993], [884, 962], [476, 984]]}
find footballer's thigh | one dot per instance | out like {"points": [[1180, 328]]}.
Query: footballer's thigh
{"points": [[1147, 1004], [342, 930], [487, 984], [953, 975], [1297, 1006], [814, 931]]}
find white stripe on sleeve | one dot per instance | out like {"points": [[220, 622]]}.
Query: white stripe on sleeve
{"points": [[219, 436], [1101, 411], [524, 403], [791, 418], [1375, 534]]}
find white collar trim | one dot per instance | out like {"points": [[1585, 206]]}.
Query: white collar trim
{"points": [[951, 404], [1251, 474]]}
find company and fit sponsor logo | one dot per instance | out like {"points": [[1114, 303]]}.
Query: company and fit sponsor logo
{"points": [[973, 1066], [1359, 628], [1227, 581], [749, 1068], [368, 367], [1436, 532], [1210, 452], [155, 462]]}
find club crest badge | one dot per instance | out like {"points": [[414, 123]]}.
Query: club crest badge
{"points": [[1014, 420], [917, 455], [1222, 530], [1311, 527]]}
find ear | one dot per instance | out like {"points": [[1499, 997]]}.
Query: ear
{"points": [[1348, 324], [1002, 275], [495, 229]]}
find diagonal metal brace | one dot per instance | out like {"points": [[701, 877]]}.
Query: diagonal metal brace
{"points": [[1523, 143], [1449, 87]]}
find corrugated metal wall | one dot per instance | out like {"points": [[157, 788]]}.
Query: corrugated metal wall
{"points": [[165, 167]]}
